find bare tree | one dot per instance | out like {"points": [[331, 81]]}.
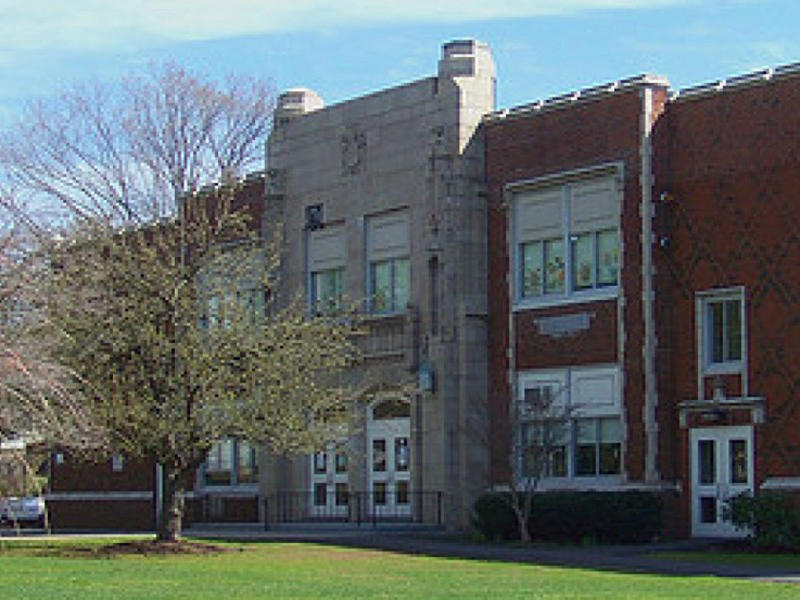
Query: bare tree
{"points": [[127, 151], [39, 398], [540, 423]]}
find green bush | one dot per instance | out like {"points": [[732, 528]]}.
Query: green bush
{"points": [[575, 517], [768, 517]]}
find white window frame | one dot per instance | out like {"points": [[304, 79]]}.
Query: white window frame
{"points": [[703, 301], [567, 382], [565, 184]]}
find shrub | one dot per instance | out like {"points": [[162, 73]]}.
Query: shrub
{"points": [[575, 517], [768, 517]]}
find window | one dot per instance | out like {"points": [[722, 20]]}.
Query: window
{"points": [[389, 282], [326, 267], [722, 331], [327, 291], [231, 462], [389, 266], [567, 239], [569, 423]]}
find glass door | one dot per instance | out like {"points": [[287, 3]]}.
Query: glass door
{"points": [[721, 467], [389, 461]]}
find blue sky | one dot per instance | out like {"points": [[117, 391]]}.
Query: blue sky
{"points": [[344, 48]]}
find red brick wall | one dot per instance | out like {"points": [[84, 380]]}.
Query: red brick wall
{"points": [[583, 135], [731, 163], [98, 476], [112, 515], [597, 344]]}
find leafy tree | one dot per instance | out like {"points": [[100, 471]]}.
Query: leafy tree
{"points": [[173, 330]]}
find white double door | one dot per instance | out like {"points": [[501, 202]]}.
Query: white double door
{"points": [[389, 465], [721, 467]]}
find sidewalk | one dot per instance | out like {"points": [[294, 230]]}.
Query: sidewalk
{"points": [[623, 559]]}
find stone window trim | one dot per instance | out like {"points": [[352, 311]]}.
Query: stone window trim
{"points": [[721, 330], [563, 239]]}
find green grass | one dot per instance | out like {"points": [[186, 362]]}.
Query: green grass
{"points": [[283, 570]]}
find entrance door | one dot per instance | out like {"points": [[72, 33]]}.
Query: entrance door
{"points": [[330, 493], [389, 448], [722, 467]]}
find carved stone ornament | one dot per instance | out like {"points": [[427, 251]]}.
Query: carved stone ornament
{"points": [[354, 148]]}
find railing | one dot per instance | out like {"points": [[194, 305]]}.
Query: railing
{"points": [[358, 508]]}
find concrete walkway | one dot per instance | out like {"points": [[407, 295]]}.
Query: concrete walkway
{"points": [[622, 558]]}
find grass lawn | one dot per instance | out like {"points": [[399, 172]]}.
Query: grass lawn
{"points": [[282, 570]]}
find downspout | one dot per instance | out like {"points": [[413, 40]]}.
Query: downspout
{"points": [[651, 473]]}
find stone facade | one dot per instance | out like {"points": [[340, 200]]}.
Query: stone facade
{"points": [[414, 151]]}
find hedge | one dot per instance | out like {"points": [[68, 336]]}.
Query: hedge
{"points": [[575, 517]]}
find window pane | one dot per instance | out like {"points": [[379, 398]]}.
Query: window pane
{"points": [[379, 455], [531, 265], [219, 464], [401, 492], [733, 319], [320, 494], [554, 266], [738, 457], [610, 446], [583, 261], [402, 281], [341, 462], [401, 454], [708, 509], [607, 257], [586, 447], [716, 328], [327, 288], [381, 282], [320, 462], [247, 463], [707, 462], [379, 493], [342, 494]]}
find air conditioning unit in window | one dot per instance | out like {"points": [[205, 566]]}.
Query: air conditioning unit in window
{"points": [[314, 217]]}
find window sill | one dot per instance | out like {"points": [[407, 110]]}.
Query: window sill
{"points": [[606, 293], [581, 484], [724, 368]]}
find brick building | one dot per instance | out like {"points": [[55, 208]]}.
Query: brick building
{"points": [[627, 252], [642, 251]]}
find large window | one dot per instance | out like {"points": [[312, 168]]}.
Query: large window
{"points": [[326, 267], [721, 327], [567, 239], [389, 267], [231, 462], [570, 424]]}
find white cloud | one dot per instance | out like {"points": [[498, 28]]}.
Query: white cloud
{"points": [[87, 24]]}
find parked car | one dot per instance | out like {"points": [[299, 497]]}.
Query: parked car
{"points": [[28, 510]]}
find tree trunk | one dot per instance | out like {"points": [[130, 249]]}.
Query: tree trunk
{"points": [[168, 528], [522, 523]]}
